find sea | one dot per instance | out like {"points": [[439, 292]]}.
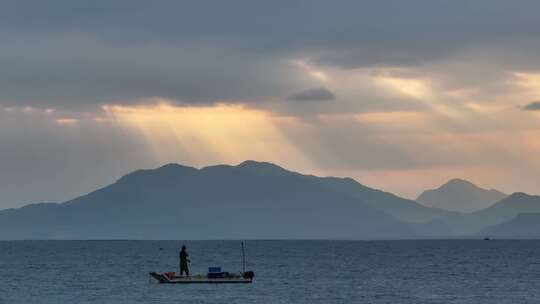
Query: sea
{"points": [[424, 271]]}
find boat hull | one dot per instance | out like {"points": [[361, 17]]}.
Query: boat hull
{"points": [[198, 279]]}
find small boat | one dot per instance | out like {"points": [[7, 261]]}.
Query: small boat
{"points": [[171, 278], [214, 276]]}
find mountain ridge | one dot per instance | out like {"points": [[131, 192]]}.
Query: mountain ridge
{"points": [[522, 226], [252, 200], [460, 195]]}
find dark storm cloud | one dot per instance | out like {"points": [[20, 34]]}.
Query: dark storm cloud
{"points": [[313, 94], [533, 106], [90, 52], [79, 68]]}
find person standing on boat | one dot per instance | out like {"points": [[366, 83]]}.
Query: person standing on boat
{"points": [[184, 261]]}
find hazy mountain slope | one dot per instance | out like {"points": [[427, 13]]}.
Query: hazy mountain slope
{"points": [[460, 195], [502, 211], [403, 209], [508, 208], [524, 225], [251, 200]]}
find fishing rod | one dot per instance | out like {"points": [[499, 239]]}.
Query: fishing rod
{"points": [[243, 258]]}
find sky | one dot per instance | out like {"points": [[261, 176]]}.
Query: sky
{"points": [[400, 95]]}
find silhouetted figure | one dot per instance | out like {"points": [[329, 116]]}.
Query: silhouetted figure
{"points": [[184, 261]]}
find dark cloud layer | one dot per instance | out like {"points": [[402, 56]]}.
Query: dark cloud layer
{"points": [[313, 94], [88, 52], [533, 106]]}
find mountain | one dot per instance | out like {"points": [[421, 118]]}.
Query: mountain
{"points": [[502, 211], [523, 226], [507, 209], [251, 200], [460, 195], [403, 209]]}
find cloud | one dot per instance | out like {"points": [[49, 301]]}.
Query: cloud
{"points": [[82, 70], [411, 95], [533, 106], [314, 94], [200, 52]]}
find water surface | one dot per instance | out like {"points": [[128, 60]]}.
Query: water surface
{"points": [[286, 271]]}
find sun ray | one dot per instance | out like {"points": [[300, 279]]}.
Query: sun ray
{"points": [[209, 134]]}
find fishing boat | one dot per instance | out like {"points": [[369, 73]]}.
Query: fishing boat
{"points": [[214, 276], [225, 277]]}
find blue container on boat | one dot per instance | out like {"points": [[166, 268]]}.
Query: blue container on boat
{"points": [[215, 273]]}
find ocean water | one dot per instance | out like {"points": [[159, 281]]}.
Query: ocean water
{"points": [[446, 271]]}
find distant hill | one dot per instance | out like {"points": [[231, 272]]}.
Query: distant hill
{"points": [[523, 226], [403, 209], [251, 200], [460, 195], [507, 209]]}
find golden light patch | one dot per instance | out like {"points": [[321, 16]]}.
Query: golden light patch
{"points": [[530, 81], [482, 108], [412, 87], [66, 121], [392, 117], [209, 134], [532, 141], [398, 121], [311, 70], [28, 109], [450, 112]]}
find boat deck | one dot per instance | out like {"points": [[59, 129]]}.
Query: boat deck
{"points": [[197, 279]]}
